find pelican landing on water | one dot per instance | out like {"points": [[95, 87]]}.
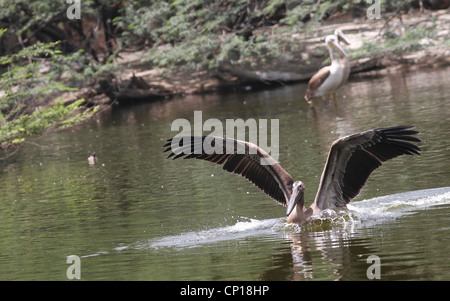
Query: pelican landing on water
{"points": [[330, 78], [350, 161]]}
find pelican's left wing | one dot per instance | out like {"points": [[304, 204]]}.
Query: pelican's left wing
{"points": [[353, 158]]}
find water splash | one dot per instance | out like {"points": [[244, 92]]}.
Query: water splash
{"points": [[242, 229], [389, 208], [362, 213]]}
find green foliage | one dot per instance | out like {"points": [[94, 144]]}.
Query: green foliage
{"points": [[57, 115], [27, 80], [25, 89], [202, 34], [43, 53], [199, 34], [407, 42], [186, 34]]}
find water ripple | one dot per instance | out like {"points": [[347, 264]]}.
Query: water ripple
{"points": [[363, 213]]}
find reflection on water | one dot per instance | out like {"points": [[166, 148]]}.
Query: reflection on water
{"points": [[337, 235], [138, 216], [365, 213]]}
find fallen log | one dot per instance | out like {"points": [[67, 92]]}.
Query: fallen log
{"points": [[366, 64], [285, 77], [137, 90], [137, 94], [267, 77]]}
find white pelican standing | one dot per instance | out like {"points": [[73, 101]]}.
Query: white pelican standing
{"points": [[350, 161], [330, 78]]}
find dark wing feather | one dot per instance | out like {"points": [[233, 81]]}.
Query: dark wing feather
{"points": [[243, 158], [353, 158]]}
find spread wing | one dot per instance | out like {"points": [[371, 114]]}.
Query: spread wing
{"points": [[353, 158], [239, 157]]}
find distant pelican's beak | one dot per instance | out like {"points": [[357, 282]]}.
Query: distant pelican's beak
{"points": [[296, 198], [337, 47], [342, 38]]}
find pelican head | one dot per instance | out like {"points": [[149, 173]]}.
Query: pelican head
{"points": [[297, 197], [332, 42], [341, 37]]}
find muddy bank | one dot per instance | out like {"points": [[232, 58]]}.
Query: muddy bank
{"points": [[140, 82]]}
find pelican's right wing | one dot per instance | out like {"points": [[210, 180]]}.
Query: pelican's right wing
{"points": [[239, 157]]}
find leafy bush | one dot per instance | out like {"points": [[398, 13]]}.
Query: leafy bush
{"points": [[43, 53], [203, 34], [407, 42], [26, 85], [58, 115]]}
